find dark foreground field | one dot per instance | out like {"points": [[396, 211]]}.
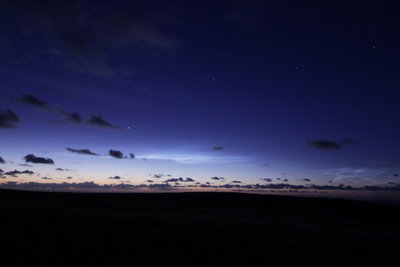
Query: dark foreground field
{"points": [[195, 229]]}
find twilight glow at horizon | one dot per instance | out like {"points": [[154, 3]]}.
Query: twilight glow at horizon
{"points": [[168, 95]]}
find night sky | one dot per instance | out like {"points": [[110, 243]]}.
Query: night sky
{"points": [[200, 95]]}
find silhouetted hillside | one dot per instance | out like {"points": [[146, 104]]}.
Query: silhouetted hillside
{"points": [[195, 229]]}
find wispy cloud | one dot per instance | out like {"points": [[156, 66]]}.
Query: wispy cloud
{"points": [[97, 120], [324, 144], [8, 119], [359, 175], [195, 158], [33, 101], [84, 40], [73, 117]]}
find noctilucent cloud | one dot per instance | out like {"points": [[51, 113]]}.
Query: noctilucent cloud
{"points": [[173, 94]]}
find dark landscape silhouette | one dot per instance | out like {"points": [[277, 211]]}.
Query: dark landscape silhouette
{"points": [[196, 229]]}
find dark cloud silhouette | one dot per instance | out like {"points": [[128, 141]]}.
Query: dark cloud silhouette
{"points": [[160, 175], [332, 187], [70, 186], [63, 170], [150, 181], [69, 177], [25, 165], [116, 154], [115, 177], [119, 155], [180, 179], [16, 172], [32, 101], [230, 186], [218, 148], [304, 179], [166, 186], [73, 117], [8, 119], [269, 180], [237, 182], [217, 178], [278, 186], [97, 120], [160, 186], [33, 159], [324, 144], [285, 180], [395, 174], [332, 145], [46, 178], [2, 160], [375, 188], [82, 151], [171, 180]]}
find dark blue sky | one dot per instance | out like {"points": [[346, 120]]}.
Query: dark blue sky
{"points": [[243, 90]]}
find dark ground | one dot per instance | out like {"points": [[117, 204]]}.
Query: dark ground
{"points": [[195, 229]]}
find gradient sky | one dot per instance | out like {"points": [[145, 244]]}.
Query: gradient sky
{"points": [[246, 90]]}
